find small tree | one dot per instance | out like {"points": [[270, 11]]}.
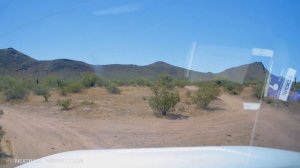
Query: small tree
{"points": [[42, 91], [165, 97], [205, 95]]}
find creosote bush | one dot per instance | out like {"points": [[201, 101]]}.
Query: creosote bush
{"points": [[72, 87], [258, 89], [14, 89], [88, 79], [88, 103], [65, 103], [112, 88], [205, 95], [233, 88], [165, 97], [42, 91]]}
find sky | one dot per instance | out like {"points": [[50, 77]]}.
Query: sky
{"points": [[204, 35]]}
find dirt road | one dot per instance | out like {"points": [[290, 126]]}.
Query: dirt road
{"points": [[37, 131]]}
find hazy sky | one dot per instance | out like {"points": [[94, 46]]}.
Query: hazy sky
{"points": [[142, 32]]}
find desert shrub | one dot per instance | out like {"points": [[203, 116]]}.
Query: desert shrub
{"points": [[164, 100], [166, 81], [188, 93], [88, 103], [88, 79], [257, 89], [1, 133], [123, 82], [2, 154], [13, 89], [165, 97], [207, 84], [72, 87], [28, 84], [63, 91], [112, 88], [65, 103], [1, 84], [141, 82], [251, 82], [181, 83], [101, 82], [232, 87], [205, 95], [42, 91], [53, 81], [1, 112]]}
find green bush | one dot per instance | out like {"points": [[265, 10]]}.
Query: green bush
{"points": [[141, 82], [181, 83], [258, 89], [124, 82], [164, 100], [101, 82], [205, 95], [28, 84], [112, 88], [3, 155], [14, 90], [165, 97], [65, 104], [72, 87], [42, 91], [88, 79], [88, 103], [166, 81], [53, 82], [1, 133], [232, 87]]}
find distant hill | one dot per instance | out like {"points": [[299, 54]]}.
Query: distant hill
{"points": [[253, 71], [15, 63], [152, 71]]}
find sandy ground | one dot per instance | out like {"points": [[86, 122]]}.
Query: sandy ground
{"points": [[35, 129]]}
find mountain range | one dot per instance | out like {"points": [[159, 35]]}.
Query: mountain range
{"points": [[15, 63]]}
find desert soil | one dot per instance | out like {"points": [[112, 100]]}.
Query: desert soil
{"points": [[35, 129]]}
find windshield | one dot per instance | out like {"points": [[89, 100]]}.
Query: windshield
{"points": [[80, 75]]}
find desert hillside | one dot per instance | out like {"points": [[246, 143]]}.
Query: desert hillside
{"points": [[17, 64]]}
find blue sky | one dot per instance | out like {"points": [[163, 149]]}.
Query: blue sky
{"points": [[142, 32]]}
